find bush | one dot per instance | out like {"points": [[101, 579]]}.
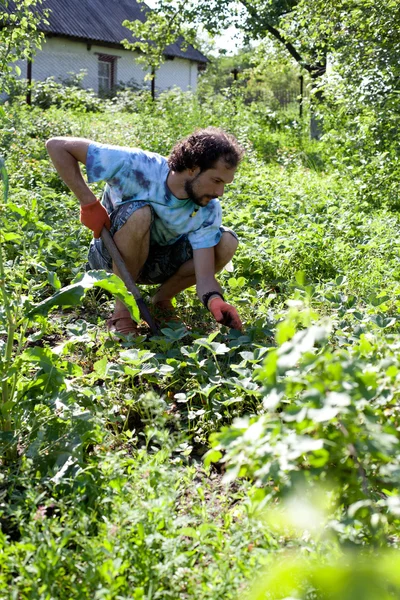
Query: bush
{"points": [[67, 95]]}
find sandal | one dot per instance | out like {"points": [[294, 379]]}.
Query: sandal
{"points": [[122, 322]]}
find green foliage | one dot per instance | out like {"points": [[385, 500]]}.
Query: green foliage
{"points": [[322, 424], [257, 19], [361, 89], [19, 36], [128, 526], [73, 294], [17, 364], [263, 76], [352, 576], [325, 572], [159, 30], [67, 95], [103, 492]]}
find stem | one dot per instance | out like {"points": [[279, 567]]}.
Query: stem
{"points": [[5, 363], [19, 348], [353, 453], [10, 332], [5, 57]]}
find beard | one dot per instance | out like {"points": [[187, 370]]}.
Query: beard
{"points": [[200, 200]]}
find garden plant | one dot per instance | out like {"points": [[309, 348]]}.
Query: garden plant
{"points": [[202, 462]]}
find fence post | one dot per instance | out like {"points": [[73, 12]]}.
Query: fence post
{"points": [[153, 84], [29, 78], [301, 78]]}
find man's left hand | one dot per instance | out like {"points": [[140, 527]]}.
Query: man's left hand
{"points": [[224, 313]]}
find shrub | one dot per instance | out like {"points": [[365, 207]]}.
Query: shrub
{"points": [[66, 95]]}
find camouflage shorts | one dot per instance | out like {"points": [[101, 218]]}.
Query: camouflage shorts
{"points": [[162, 261]]}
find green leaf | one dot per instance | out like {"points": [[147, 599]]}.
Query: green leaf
{"points": [[218, 348], [377, 299], [72, 295], [53, 279], [303, 341], [382, 321], [166, 370], [188, 532], [11, 237], [100, 367]]}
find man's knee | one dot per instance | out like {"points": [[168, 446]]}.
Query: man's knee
{"points": [[138, 225], [225, 249], [229, 243]]}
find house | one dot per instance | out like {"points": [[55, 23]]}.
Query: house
{"points": [[87, 34]]}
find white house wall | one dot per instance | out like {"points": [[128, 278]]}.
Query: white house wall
{"points": [[177, 72], [59, 57]]}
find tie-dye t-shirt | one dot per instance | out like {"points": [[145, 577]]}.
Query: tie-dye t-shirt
{"points": [[133, 174]]}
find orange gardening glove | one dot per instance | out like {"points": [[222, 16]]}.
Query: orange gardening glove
{"points": [[95, 217], [224, 313]]}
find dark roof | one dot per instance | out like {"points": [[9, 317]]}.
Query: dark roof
{"points": [[101, 21]]}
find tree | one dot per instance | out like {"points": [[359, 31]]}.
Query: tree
{"points": [[178, 20], [175, 20], [362, 90], [19, 36], [261, 73]]}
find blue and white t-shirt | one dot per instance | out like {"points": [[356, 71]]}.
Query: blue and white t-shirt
{"points": [[133, 174]]}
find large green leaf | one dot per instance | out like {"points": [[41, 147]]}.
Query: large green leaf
{"points": [[72, 294]]}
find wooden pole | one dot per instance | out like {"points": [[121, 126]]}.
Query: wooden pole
{"points": [[301, 78], [153, 83], [29, 78]]}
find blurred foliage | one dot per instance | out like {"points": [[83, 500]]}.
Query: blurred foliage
{"points": [[260, 74], [355, 575], [323, 571]]}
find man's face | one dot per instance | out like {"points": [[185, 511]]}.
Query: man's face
{"points": [[203, 186]]}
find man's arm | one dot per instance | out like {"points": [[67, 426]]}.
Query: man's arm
{"points": [[204, 268], [66, 154]]}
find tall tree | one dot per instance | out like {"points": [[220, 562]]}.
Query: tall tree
{"points": [[174, 20], [178, 20], [363, 87]]}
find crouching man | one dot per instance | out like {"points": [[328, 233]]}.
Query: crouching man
{"points": [[163, 214]]}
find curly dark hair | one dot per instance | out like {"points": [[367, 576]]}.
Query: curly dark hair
{"points": [[204, 148]]}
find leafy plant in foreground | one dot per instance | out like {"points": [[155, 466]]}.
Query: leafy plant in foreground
{"points": [[329, 415], [18, 363]]}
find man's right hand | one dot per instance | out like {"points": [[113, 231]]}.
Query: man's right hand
{"points": [[95, 217], [224, 313]]}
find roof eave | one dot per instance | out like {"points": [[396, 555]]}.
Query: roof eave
{"points": [[108, 44]]}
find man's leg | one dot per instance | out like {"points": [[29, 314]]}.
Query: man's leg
{"points": [[185, 276], [133, 240]]}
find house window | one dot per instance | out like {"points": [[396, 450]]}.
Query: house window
{"points": [[107, 70]]}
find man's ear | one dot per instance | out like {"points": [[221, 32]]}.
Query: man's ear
{"points": [[193, 172]]}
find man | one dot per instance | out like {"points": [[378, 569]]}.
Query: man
{"points": [[163, 214]]}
